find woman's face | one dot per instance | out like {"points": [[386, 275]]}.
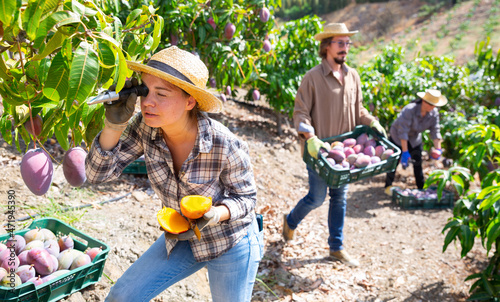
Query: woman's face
{"points": [[166, 104], [426, 107]]}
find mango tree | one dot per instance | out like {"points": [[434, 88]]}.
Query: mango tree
{"points": [[54, 55], [294, 52], [229, 36]]}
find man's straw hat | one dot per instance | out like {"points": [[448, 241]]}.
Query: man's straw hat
{"points": [[334, 29], [433, 97], [184, 70]]}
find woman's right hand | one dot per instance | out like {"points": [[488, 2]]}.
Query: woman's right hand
{"points": [[119, 112]]}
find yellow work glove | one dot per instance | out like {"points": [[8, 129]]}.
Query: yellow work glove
{"points": [[313, 146], [376, 125]]}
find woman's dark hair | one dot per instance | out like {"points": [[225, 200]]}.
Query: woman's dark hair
{"points": [[322, 47], [417, 100]]}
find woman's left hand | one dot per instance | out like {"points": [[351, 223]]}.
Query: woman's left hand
{"points": [[211, 217]]}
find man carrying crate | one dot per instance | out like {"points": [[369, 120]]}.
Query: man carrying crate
{"points": [[328, 103]]}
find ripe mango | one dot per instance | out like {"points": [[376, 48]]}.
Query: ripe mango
{"points": [[10, 279], [80, 261], [387, 153], [66, 242], [37, 171], [171, 221], [25, 272], [362, 139], [42, 261], [229, 30], [350, 142], [195, 206], [34, 234], [37, 125], [35, 280], [264, 14], [93, 252], [65, 259], [18, 242], [74, 166]]}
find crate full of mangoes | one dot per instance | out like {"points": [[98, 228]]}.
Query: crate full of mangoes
{"points": [[352, 156]]}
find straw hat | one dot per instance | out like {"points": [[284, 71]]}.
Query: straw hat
{"points": [[334, 29], [433, 97], [184, 70]]}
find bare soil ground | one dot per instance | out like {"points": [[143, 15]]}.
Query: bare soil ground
{"points": [[400, 250]]}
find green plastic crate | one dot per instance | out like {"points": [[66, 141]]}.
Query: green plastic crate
{"points": [[68, 283], [136, 167], [412, 202], [337, 178]]}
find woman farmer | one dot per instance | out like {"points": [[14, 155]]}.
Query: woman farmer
{"points": [[186, 153], [406, 132]]}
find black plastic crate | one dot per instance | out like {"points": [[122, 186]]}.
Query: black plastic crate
{"points": [[412, 202], [336, 178]]}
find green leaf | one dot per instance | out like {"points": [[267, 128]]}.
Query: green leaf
{"points": [[106, 61], [43, 69], [54, 43], [63, 18], [8, 9], [158, 28], [488, 202], [56, 86], [45, 103], [132, 16], [34, 20], [202, 33], [450, 236], [466, 239], [62, 131], [123, 71], [492, 232], [458, 183], [106, 37], [480, 152], [484, 192], [473, 276], [5, 129], [487, 285], [82, 75], [94, 125]]}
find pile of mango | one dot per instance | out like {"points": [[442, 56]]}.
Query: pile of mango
{"points": [[39, 256], [355, 153]]}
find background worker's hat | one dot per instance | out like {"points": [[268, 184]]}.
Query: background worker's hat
{"points": [[184, 70], [433, 97], [334, 29]]}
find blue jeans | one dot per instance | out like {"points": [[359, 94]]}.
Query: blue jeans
{"points": [[231, 275], [314, 199]]}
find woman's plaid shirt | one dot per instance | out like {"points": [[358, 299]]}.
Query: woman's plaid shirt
{"points": [[218, 166]]}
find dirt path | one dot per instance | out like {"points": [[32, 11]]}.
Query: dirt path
{"points": [[400, 251]]}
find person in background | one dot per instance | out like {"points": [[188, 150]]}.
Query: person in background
{"points": [[406, 132], [186, 153], [329, 102]]}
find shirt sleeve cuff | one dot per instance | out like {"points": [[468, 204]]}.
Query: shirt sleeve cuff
{"points": [[102, 153], [234, 210], [303, 127]]}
